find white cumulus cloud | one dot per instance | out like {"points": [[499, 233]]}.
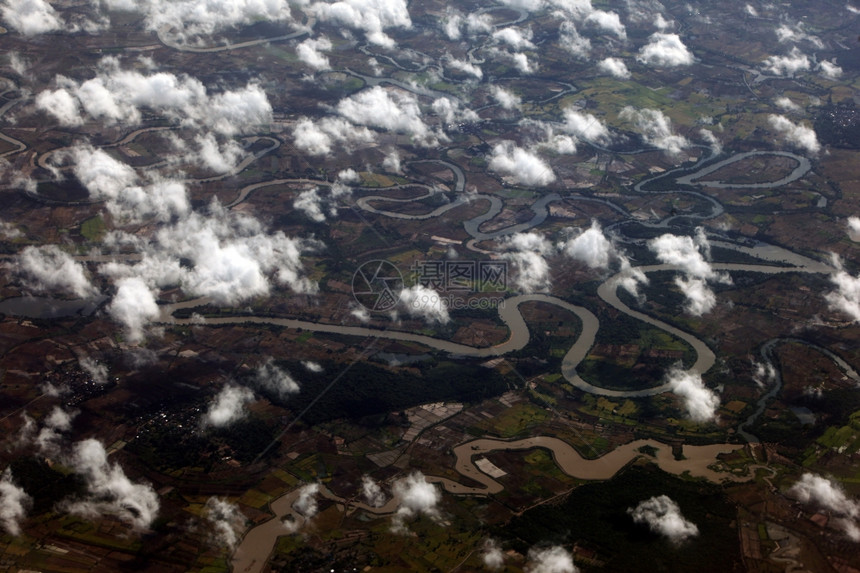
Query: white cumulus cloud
{"points": [[372, 17], [665, 51], [690, 255], [229, 406], [656, 129], [424, 302], [825, 494], [276, 380], [31, 17], [829, 69], [607, 21], [555, 559], [492, 555], [306, 502], [506, 98], [614, 67], [14, 504], [225, 520], [371, 492], [663, 516], [392, 110], [110, 490], [47, 269], [311, 52], [788, 65], [700, 402], [523, 166], [796, 134], [527, 252], [417, 497]]}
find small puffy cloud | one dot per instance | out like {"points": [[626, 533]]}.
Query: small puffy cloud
{"points": [[853, 228], [522, 165], [665, 51], [700, 298], [506, 98], [607, 21], [47, 269], [31, 17], [764, 374], [527, 252], [423, 302], [518, 39], [391, 162], [311, 203], [101, 174], [185, 20], [846, 297], [97, 371], [492, 555], [614, 67], [229, 406], [826, 494], [417, 496], [451, 111], [690, 255], [319, 138], [786, 104], [371, 492], [62, 105], [829, 69], [9, 231], [110, 490], [225, 521], [571, 40], [663, 516], [789, 65], [464, 66], [656, 129], [554, 559], [711, 140], [591, 247], [373, 17], [518, 60], [311, 52], [49, 437], [115, 95], [585, 126], [795, 34], [684, 252], [109, 180], [312, 366], [454, 23], [276, 380], [215, 156], [797, 135], [133, 306], [661, 23], [451, 24], [392, 110], [700, 402], [306, 502], [14, 504]]}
